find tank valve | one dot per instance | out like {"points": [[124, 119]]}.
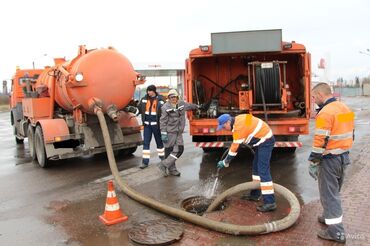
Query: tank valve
{"points": [[112, 112]]}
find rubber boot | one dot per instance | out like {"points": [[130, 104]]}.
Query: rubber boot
{"points": [[173, 170]]}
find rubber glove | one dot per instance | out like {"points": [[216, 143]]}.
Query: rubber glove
{"points": [[312, 169], [222, 164], [164, 137]]}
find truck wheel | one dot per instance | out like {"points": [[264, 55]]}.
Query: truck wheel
{"points": [[129, 151], [40, 147], [17, 140], [31, 141]]}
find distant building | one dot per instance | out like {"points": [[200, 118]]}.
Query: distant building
{"points": [[366, 88]]}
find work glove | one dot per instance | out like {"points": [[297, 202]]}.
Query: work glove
{"points": [[312, 169], [164, 137], [200, 106], [132, 109], [222, 164]]}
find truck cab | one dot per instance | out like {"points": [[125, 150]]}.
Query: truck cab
{"points": [[21, 87]]}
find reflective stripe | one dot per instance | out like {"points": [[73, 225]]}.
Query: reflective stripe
{"points": [[267, 192], [322, 132], [146, 153], [173, 156], [318, 150], [263, 139], [258, 127], [144, 100], [111, 194], [335, 151], [239, 141], [150, 123], [113, 207], [267, 188], [334, 221], [232, 153], [169, 110], [181, 107], [256, 178], [160, 152], [161, 102], [341, 136]]}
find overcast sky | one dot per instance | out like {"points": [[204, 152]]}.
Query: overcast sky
{"points": [[165, 31]]}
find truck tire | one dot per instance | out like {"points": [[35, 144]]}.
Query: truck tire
{"points": [[15, 132], [31, 141], [129, 151], [17, 140], [40, 148]]}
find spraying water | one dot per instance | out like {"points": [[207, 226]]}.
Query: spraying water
{"points": [[212, 191]]}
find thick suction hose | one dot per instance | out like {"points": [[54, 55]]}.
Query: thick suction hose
{"points": [[195, 219]]}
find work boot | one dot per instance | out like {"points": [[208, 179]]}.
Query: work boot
{"points": [[163, 169], [142, 166], [267, 207], [250, 197], [324, 234], [175, 172], [321, 219]]}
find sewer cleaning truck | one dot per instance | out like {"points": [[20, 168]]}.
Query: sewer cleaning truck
{"points": [[249, 72], [54, 107]]}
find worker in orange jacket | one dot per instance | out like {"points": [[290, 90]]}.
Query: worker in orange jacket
{"points": [[253, 131], [334, 135]]}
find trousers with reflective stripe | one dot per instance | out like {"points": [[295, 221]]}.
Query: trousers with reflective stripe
{"points": [[150, 130], [261, 168], [330, 180]]}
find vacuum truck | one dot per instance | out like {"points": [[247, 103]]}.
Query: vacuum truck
{"points": [[54, 107], [249, 72]]}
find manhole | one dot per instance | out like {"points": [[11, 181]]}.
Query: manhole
{"points": [[156, 232], [199, 204]]}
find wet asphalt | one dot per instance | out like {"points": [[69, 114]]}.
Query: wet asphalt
{"points": [[60, 205]]}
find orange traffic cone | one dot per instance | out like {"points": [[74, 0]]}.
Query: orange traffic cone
{"points": [[112, 214]]}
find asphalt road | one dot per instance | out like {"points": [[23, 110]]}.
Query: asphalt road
{"points": [[60, 205]]}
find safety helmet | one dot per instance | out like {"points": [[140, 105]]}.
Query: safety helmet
{"points": [[173, 92]]}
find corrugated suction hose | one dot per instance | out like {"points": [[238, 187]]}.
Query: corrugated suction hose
{"points": [[282, 224]]}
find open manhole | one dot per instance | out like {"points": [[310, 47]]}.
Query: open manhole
{"points": [[156, 232], [199, 204]]}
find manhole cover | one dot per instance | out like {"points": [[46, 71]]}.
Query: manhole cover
{"points": [[199, 204], [156, 232]]}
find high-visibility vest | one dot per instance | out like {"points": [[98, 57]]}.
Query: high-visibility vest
{"points": [[334, 131], [246, 127]]}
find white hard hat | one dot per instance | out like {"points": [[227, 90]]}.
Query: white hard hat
{"points": [[173, 92]]}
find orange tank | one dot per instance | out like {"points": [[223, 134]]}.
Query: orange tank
{"points": [[101, 76]]}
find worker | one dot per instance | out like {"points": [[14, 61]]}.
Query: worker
{"points": [[253, 131], [334, 135], [150, 109], [172, 124]]}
